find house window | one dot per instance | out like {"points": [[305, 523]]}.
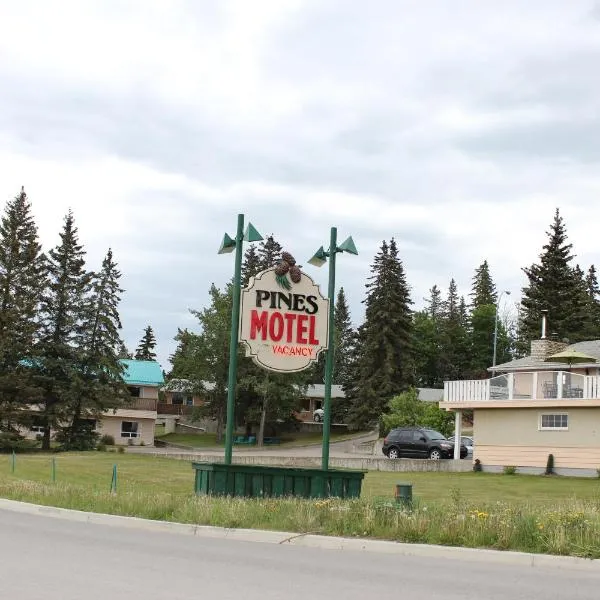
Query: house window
{"points": [[129, 429], [177, 398], [554, 422], [134, 391], [91, 424], [37, 425], [189, 400]]}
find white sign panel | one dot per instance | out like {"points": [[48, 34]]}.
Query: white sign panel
{"points": [[283, 320]]}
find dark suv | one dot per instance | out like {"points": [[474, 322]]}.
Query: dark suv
{"points": [[417, 442]]}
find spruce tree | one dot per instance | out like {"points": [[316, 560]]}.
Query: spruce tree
{"points": [[123, 352], [344, 341], [22, 267], [427, 351], [100, 374], [269, 253], [62, 316], [384, 366], [434, 302], [454, 336], [482, 324], [553, 285], [483, 290], [251, 265], [145, 349], [593, 303]]}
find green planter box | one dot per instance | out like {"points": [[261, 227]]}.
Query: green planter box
{"points": [[256, 481]]}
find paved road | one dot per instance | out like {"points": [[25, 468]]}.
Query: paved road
{"points": [[43, 558]]}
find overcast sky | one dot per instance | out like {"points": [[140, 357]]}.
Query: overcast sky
{"points": [[455, 127]]}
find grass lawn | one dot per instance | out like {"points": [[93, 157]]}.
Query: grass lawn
{"points": [[207, 440], [528, 513], [148, 474]]}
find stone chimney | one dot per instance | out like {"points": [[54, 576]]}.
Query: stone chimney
{"points": [[544, 347], [541, 349]]}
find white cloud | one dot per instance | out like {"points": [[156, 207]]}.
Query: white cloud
{"points": [[458, 128]]}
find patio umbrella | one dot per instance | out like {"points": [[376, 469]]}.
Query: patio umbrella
{"points": [[571, 357]]}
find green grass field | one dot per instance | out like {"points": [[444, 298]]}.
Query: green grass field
{"points": [[528, 513], [148, 474]]}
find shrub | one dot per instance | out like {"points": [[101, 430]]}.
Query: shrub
{"points": [[477, 466], [142, 443], [550, 465], [13, 441], [511, 470], [107, 440], [121, 450], [101, 447]]}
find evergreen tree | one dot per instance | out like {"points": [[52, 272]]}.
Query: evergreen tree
{"points": [[251, 265], [427, 350], [384, 366], [99, 380], [344, 341], [483, 290], [593, 303], [555, 286], [269, 253], [454, 336], [62, 316], [145, 349], [123, 352], [435, 303], [21, 284]]}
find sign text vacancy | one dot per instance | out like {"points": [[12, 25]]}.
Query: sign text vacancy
{"points": [[283, 324]]}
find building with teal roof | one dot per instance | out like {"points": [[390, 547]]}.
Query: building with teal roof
{"points": [[142, 372]]}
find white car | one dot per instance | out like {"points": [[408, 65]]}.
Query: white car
{"points": [[318, 415], [467, 441]]}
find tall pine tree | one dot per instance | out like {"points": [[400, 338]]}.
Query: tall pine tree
{"points": [[384, 366], [555, 286], [145, 349], [251, 265], [483, 289], [269, 253], [454, 336], [99, 379], [62, 317], [22, 267]]}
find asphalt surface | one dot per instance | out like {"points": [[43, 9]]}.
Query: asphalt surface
{"points": [[45, 558]]}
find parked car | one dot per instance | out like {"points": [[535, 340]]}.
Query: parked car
{"points": [[318, 415], [419, 442], [465, 440]]}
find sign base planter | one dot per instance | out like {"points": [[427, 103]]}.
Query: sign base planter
{"points": [[256, 481]]}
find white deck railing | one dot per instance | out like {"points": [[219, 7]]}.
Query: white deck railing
{"points": [[537, 385]]}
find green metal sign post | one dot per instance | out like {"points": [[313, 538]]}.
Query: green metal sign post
{"points": [[228, 245], [319, 260]]}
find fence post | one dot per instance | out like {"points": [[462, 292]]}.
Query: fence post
{"points": [[53, 470], [13, 462], [113, 483]]}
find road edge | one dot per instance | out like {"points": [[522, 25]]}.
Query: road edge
{"points": [[309, 540]]}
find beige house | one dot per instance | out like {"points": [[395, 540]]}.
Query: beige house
{"points": [[133, 424], [535, 408]]}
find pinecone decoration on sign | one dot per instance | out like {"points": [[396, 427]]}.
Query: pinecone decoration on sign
{"points": [[295, 274], [282, 268], [288, 258], [285, 266]]}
